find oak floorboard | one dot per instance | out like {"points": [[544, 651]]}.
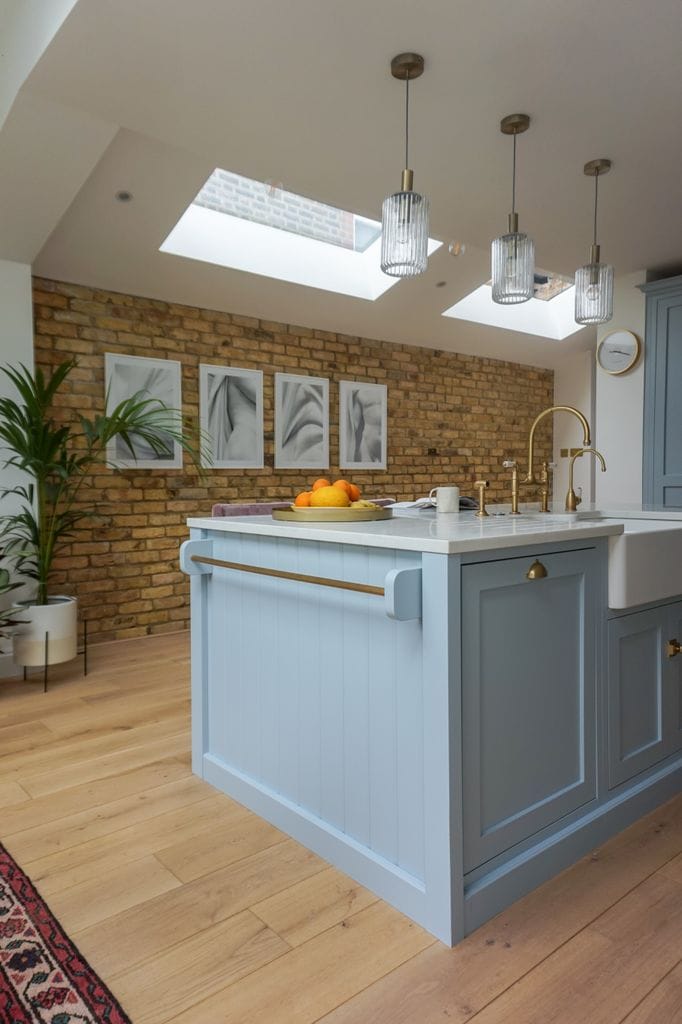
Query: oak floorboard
{"points": [[663, 1005], [226, 842], [199, 967], [299, 987], [92, 902], [178, 915], [89, 796], [456, 983], [42, 841], [11, 794], [313, 905]]}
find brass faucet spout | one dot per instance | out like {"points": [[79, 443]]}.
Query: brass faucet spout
{"points": [[587, 440], [572, 500]]}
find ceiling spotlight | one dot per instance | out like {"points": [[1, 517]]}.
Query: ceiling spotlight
{"points": [[457, 248], [124, 196]]}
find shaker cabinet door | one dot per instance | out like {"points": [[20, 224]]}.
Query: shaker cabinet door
{"points": [[528, 671], [663, 386], [637, 693]]}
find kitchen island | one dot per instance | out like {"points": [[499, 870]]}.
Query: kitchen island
{"points": [[441, 706]]}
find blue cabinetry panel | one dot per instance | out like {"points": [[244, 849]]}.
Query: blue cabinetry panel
{"points": [[636, 694], [528, 670], [663, 386]]}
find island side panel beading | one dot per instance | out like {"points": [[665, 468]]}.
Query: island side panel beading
{"points": [[316, 694]]}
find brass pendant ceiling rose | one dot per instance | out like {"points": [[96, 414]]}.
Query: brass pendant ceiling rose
{"points": [[407, 66], [515, 124], [593, 168]]}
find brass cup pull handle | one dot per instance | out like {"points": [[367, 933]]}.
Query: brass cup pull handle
{"points": [[673, 647], [537, 571]]}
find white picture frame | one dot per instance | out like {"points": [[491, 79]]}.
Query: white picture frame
{"points": [[231, 416], [155, 378], [301, 422], [363, 425]]}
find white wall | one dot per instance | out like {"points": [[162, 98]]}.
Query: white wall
{"points": [[573, 385], [16, 346], [620, 404]]}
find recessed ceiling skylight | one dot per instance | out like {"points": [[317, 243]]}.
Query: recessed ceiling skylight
{"points": [[260, 228], [549, 314]]}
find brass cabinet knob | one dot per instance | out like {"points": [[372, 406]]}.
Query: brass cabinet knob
{"points": [[537, 571], [673, 647]]}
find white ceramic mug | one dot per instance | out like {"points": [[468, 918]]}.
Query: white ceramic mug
{"points": [[446, 498]]}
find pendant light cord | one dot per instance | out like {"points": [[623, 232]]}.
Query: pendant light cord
{"points": [[407, 121], [596, 203], [513, 208]]}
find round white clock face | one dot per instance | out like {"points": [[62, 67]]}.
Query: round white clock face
{"points": [[618, 351]]}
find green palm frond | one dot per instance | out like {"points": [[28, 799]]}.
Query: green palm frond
{"points": [[58, 457]]}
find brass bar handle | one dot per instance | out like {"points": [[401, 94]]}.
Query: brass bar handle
{"points": [[673, 648], [298, 577], [537, 571]]}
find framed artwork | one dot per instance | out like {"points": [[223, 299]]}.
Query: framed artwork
{"points": [[125, 376], [301, 422], [363, 423], [231, 416]]}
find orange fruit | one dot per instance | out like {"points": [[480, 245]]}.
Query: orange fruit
{"points": [[354, 492], [344, 485], [329, 497], [302, 500], [320, 483]]}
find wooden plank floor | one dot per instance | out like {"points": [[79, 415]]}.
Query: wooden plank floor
{"points": [[195, 911]]}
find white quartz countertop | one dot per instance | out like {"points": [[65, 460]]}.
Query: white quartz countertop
{"points": [[427, 531]]}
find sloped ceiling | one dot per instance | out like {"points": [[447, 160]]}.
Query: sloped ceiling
{"points": [[151, 96]]}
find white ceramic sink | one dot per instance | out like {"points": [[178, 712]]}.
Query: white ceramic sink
{"points": [[645, 562]]}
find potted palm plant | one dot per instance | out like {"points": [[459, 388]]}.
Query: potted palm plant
{"points": [[55, 459]]}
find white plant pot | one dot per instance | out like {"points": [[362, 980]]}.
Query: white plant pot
{"points": [[59, 619]]}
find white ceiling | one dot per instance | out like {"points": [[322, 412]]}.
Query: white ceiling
{"points": [[151, 96]]}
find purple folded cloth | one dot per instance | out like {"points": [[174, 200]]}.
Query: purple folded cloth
{"points": [[265, 508]]}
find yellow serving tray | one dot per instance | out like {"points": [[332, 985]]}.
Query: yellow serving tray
{"points": [[331, 515]]}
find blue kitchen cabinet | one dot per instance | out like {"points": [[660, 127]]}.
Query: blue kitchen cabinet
{"points": [[662, 463], [528, 701], [644, 681]]}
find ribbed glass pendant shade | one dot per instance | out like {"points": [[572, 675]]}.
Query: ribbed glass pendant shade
{"points": [[594, 293], [404, 234], [513, 268]]}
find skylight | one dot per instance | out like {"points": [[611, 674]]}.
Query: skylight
{"points": [[549, 314], [263, 229]]}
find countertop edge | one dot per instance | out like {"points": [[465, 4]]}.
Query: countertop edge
{"points": [[431, 545]]}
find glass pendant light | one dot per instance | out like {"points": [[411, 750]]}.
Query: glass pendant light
{"points": [[405, 214], [594, 281], [513, 254]]}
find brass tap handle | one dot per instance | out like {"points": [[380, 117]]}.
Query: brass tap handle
{"points": [[572, 500], [480, 486], [511, 464], [544, 480], [673, 648]]}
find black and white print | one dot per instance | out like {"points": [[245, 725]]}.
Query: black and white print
{"points": [[301, 422], [159, 379], [362, 425], [231, 413]]}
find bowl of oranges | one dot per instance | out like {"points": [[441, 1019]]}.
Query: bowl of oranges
{"points": [[340, 501]]}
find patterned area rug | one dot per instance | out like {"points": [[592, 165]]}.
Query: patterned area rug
{"points": [[43, 977]]}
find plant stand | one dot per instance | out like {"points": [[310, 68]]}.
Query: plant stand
{"points": [[83, 651]]}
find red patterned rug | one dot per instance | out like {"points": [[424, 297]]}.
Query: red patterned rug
{"points": [[43, 977]]}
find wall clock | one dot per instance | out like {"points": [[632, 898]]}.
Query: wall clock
{"points": [[618, 352]]}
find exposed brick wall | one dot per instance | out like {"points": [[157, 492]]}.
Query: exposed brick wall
{"points": [[451, 418]]}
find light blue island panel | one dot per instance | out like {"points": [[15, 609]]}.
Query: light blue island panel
{"points": [[451, 740], [316, 704]]}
